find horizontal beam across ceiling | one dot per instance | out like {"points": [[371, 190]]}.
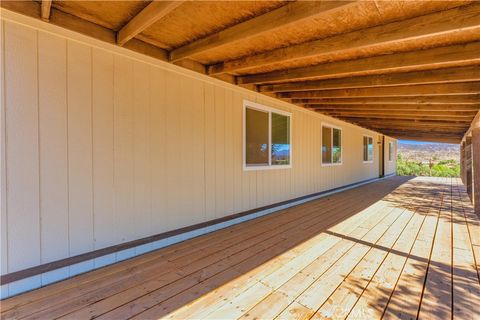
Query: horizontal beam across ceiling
{"points": [[448, 75], [442, 57], [446, 108], [472, 99], [395, 113], [415, 90], [432, 29]]}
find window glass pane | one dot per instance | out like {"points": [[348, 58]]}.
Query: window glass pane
{"points": [[256, 137], [370, 149], [337, 146], [280, 139], [365, 148], [326, 145], [390, 151]]}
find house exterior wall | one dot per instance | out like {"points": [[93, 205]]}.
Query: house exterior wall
{"points": [[102, 146]]}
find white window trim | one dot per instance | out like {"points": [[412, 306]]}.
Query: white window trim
{"points": [[263, 108], [373, 144], [391, 146], [326, 124]]}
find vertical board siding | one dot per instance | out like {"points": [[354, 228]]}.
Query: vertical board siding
{"points": [[141, 150], [123, 149], [52, 93], [22, 150], [103, 142], [80, 184], [158, 152], [102, 149]]}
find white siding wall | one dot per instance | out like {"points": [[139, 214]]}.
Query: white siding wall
{"points": [[101, 146]]}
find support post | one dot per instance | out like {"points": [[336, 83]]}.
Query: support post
{"points": [[476, 168], [462, 165], [468, 166]]}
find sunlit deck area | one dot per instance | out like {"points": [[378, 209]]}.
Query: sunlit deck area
{"points": [[398, 248]]}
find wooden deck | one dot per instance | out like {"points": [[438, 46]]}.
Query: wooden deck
{"points": [[399, 248]]}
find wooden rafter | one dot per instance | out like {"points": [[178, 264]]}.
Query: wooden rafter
{"points": [[416, 100], [396, 107], [448, 75], [443, 132], [408, 123], [424, 89], [289, 14], [388, 117], [439, 131], [435, 28], [148, 16], [45, 9], [432, 137], [400, 113], [449, 56]]}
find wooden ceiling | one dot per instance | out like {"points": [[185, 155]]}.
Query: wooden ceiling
{"points": [[408, 69]]}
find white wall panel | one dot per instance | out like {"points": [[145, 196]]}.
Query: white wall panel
{"points": [[80, 184], [53, 133], [103, 148], [158, 152], [119, 147], [141, 150], [123, 148], [22, 149]]}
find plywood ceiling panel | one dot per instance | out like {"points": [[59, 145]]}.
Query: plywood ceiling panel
{"points": [[194, 20], [109, 14]]}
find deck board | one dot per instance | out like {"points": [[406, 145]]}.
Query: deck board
{"points": [[398, 248]]}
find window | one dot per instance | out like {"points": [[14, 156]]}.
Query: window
{"points": [[390, 151], [267, 137], [331, 145], [367, 149]]}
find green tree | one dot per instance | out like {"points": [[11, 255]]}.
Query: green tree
{"points": [[443, 168]]}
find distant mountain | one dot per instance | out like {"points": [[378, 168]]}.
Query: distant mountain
{"points": [[425, 152]]}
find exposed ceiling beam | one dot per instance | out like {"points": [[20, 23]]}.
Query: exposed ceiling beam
{"points": [[145, 18], [424, 133], [425, 99], [293, 12], [45, 10], [398, 113], [430, 138], [417, 124], [402, 116], [442, 57], [434, 29], [396, 107], [415, 90], [448, 75]]}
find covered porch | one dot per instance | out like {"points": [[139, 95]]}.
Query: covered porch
{"points": [[400, 247]]}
